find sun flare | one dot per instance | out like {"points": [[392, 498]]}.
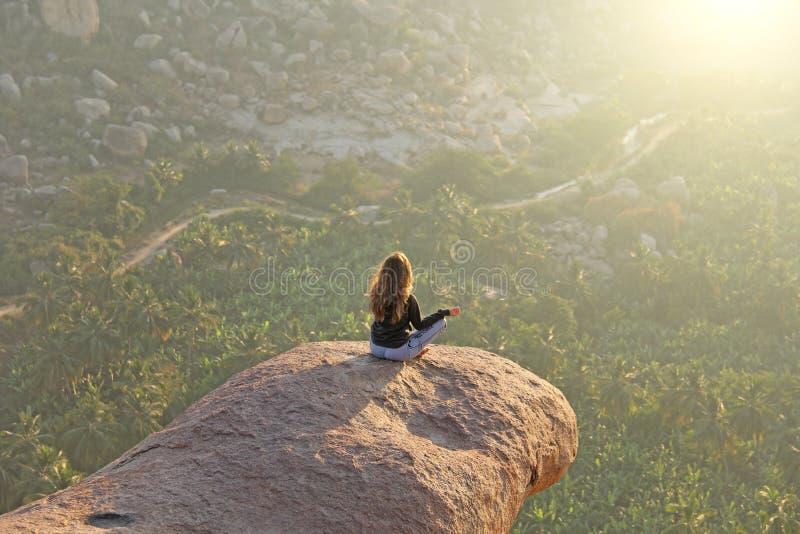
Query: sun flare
{"points": [[729, 34]]}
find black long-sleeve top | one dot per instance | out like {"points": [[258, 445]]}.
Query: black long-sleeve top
{"points": [[393, 335]]}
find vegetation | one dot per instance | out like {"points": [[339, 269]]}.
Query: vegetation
{"points": [[683, 370]]}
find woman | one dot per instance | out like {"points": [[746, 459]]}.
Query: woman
{"points": [[396, 310]]}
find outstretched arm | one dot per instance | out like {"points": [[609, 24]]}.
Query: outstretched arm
{"points": [[420, 323]]}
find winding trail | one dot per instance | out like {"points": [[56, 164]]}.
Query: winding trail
{"points": [[147, 248], [621, 164], [152, 244]]}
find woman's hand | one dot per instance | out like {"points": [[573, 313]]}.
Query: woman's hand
{"points": [[455, 311]]}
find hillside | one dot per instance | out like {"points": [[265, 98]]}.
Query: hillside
{"points": [[382, 83], [608, 189]]}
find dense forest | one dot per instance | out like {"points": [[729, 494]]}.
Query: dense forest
{"points": [[681, 367]]}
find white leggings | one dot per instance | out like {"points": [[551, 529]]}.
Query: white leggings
{"points": [[416, 342]]}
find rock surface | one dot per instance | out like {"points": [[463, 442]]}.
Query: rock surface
{"points": [[125, 141], [9, 87], [14, 169], [327, 438], [92, 108], [74, 18]]}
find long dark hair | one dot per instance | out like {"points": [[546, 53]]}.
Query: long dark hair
{"points": [[390, 287]]}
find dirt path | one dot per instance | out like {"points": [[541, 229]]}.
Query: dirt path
{"points": [[147, 248], [620, 165], [10, 309], [156, 241]]}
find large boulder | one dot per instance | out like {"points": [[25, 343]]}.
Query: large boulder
{"points": [[674, 190], [92, 108], [196, 8], [393, 62], [101, 81], [327, 438], [124, 141], [233, 36], [14, 169], [9, 87], [275, 114], [74, 18], [384, 15]]}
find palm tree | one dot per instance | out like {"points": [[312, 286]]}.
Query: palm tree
{"points": [[238, 246], [47, 297], [751, 412], [53, 366], [712, 431], [190, 314], [93, 433], [620, 396], [782, 513], [140, 313], [17, 458], [200, 244], [94, 336]]}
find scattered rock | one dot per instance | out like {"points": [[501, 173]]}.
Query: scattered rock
{"points": [[194, 66], [298, 58], [162, 67], [173, 133], [38, 266], [9, 87], [92, 108], [144, 18], [673, 189], [218, 192], [309, 104], [316, 48], [233, 37], [342, 55], [627, 188], [249, 92], [368, 214], [124, 141], [147, 41], [218, 76], [600, 234], [393, 62], [314, 28], [261, 68], [648, 241], [74, 18], [138, 113], [274, 114], [196, 8], [489, 143], [102, 81], [277, 50], [452, 442], [458, 54], [14, 169], [380, 15], [229, 101]]}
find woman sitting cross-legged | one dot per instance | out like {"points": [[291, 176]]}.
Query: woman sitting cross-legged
{"points": [[396, 310]]}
